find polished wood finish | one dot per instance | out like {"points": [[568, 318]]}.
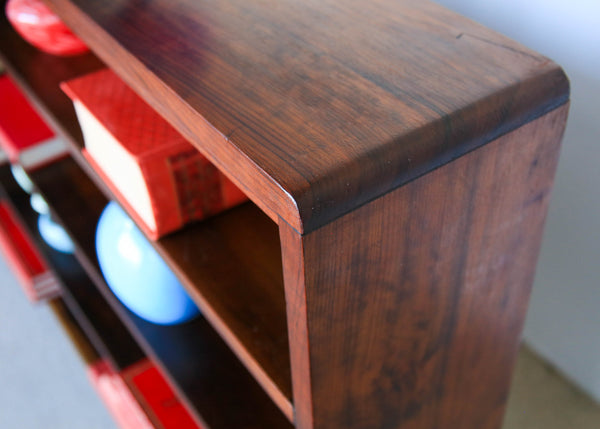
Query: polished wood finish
{"points": [[201, 255], [409, 310], [314, 108], [406, 155], [201, 368], [230, 264]]}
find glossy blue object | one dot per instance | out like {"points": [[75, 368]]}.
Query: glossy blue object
{"points": [[135, 272], [54, 234]]}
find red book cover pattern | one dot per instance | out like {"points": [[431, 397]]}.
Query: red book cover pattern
{"points": [[20, 125], [192, 173], [37, 281], [138, 397], [182, 184], [138, 128], [117, 397], [152, 390]]}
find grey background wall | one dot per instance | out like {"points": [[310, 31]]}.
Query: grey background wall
{"points": [[43, 383], [564, 318]]}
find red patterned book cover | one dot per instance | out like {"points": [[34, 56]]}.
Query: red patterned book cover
{"points": [[37, 281], [24, 135], [161, 179], [156, 396], [117, 397]]}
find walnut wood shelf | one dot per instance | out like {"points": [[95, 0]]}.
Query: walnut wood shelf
{"points": [[244, 237], [204, 372], [405, 157]]}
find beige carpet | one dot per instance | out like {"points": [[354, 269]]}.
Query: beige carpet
{"points": [[541, 398]]}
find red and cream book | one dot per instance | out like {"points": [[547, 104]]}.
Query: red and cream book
{"points": [[37, 281], [157, 175], [139, 397], [156, 396], [24, 136], [117, 397]]}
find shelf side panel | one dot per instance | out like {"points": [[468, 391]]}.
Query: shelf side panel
{"points": [[414, 304]]}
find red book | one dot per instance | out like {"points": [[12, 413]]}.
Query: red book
{"points": [[157, 175], [156, 396], [24, 135], [117, 397], [37, 281], [139, 397]]}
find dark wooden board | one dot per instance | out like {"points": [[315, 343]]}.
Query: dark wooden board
{"points": [[81, 342], [200, 366], [230, 264], [246, 305], [104, 329], [317, 107], [424, 331]]}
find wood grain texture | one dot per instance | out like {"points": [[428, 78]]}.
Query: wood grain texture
{"points": [[230, 265], [203, 371], [314, 108], [412, 306], [257, 332]]}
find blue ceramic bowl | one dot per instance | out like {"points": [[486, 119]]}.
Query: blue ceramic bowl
{"points": [[135, 272], [54, 234]]}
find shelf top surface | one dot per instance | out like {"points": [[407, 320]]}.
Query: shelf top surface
{"points": [[319, 106]]}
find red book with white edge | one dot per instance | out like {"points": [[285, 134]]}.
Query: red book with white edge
{"points": [[157, 175], [25, 137]]}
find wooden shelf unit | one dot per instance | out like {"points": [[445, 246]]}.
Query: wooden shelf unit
{"points": [[199, 366], [404, 156], [257, 332]]}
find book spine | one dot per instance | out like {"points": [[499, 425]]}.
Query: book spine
{"points": [[186, 187], [157, 397], [197, 185], [21, 127], [117, 397], [38, 282]]}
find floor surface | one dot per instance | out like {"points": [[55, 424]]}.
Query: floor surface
{"points": [[541, 398]]}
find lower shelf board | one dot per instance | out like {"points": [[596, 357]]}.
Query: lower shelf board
{"points": [[230, 265], [205, 374], [81, 342], [137, 396]]}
